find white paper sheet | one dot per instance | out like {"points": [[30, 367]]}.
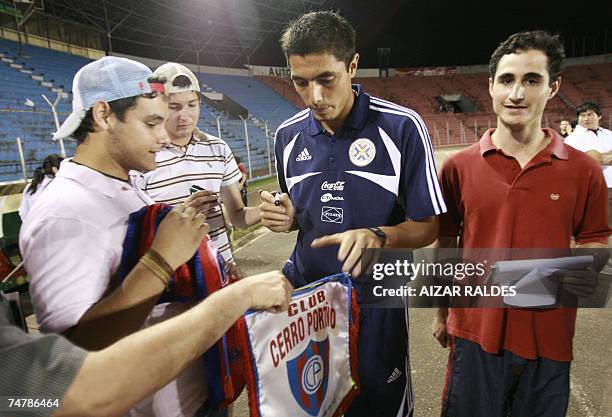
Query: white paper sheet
{"points": [[504, 272], [532, 278]]}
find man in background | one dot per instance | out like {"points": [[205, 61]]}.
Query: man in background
{"points": [[565, 128], [596, 141]]}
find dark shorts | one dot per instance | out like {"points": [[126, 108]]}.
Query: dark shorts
{"points": [[383, 364], [481, 384]]}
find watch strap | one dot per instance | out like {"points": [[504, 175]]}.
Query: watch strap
{"points": [[380, 234]]}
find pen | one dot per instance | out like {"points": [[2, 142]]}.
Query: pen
{"points": [[277, 198]]}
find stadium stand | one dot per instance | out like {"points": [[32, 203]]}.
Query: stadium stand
{"points": [[260, 100], [580, 83], [263, 104], [28, 72]]}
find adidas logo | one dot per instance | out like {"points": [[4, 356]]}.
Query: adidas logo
{"points": [[396, 374], [304, 156]]}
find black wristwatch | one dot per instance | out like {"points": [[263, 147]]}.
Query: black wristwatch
{"points": [[380, 234]]}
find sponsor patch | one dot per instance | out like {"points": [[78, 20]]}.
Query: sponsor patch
{"points": [[329, 197], [332, 214], [333, 186]]}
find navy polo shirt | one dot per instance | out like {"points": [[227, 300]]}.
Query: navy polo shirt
{"points": [[377, 170]]}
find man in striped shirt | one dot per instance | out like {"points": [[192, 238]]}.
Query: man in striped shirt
{"points": [[196, 158], [356, 172]]}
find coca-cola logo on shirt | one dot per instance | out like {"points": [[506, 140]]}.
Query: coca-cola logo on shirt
{"points": [[333, 186]]}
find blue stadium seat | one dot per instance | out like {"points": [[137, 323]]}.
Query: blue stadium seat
{"points": [[34, 125]]}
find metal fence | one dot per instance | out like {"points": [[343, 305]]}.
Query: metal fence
{"points": [[250, 139], [457, 130], [24, 143]]}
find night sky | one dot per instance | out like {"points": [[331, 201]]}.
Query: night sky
{"points": [[435, 33]]}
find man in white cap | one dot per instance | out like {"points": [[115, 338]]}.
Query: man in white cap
{"points": [[196, 158], [72, 239]]}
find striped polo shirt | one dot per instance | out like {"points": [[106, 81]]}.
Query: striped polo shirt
{"points": [[206, 161]]}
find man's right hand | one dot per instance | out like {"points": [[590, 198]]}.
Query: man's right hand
{"points": [[276, 218], [268, 291], [202, 201], [439, 328], [180, 234]]}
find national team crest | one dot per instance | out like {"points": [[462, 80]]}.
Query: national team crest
{"points": [[308, 374], [362, 152]]}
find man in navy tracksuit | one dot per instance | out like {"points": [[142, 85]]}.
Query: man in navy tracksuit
{"points": [[356, 172]]}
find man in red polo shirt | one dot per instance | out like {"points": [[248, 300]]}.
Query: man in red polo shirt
{"points": [[519, 187]]}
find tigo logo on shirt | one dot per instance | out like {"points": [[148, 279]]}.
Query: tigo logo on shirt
{"points": [[329, 197], [304, 156]]}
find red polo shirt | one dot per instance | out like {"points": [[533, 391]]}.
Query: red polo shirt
{"points": [[493, 203]]}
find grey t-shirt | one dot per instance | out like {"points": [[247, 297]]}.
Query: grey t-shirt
{"points": [[34, 366]]}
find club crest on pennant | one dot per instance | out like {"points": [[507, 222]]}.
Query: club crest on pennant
{"points": [[308, 375]]}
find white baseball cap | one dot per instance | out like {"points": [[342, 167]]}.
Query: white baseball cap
{"points": [[106, 79], [170, 71]]}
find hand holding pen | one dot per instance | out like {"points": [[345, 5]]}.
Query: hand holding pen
{"points": [[276, 211], [277, 195]]}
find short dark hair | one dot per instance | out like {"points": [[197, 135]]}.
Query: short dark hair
{"points": [[319, 32], [525, 41], [119, 107], [588, 105], [183, 81]]}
